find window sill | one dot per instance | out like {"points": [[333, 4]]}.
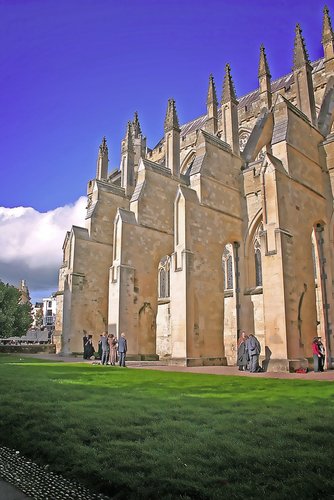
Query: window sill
{"points": [[258, 290], [163, 300]]}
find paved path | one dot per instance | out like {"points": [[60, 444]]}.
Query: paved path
{"points": [[214, 370], [9, 492], [233, 370], [36, 481]]}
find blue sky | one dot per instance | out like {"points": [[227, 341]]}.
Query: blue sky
{"points": [[75, 70]]}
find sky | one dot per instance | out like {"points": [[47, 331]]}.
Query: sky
{"points": [[73, 71]]}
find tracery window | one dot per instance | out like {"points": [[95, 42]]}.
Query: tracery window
{"points": [[314, 262], [243, 138], [228, 267], [258, 263], [164, 278]]}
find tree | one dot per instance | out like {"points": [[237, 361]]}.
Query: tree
{"points": [[39, 318], [15, 317]]}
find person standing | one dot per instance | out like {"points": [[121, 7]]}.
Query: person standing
{"points": [[316, 355], [242, 360], [112, 348], [322, 355], [122, 348], [85, 339], [89, 348], [254, 350], [99, 348], [105, 348]]}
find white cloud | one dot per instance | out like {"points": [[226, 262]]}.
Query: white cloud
{"points": [[31, 243]]}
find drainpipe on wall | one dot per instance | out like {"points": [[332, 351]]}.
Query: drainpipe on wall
{"points": [[323, 277]]}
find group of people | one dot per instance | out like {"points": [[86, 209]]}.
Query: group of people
{"points": [[249, 350], [108, 348], [318, 350]]}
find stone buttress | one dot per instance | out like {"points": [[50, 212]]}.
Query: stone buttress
{"points": [[225, 225]]}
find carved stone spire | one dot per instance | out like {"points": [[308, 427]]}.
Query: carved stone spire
{"points": [[211, 124], [127, 162], [128, 143], [327, 31], [171, 120], [264, 80], [229, 129], [300, 55], [136, 126], [228, 87], [102, 160], [302, 70], [103, 150], [328, 41], [139, 141], [212, 95], [172, 139], [263, 63]]}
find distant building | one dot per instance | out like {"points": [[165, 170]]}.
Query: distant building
{"points": [[23, 288], [49, 311], [37, 315]]}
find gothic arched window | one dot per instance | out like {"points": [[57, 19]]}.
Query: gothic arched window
{"points": [[229, 273], [314, 261], [258, 264], [228, 267], [164, 278], [243, 138]]}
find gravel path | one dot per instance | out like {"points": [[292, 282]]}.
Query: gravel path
{"points": [[36, 482]]}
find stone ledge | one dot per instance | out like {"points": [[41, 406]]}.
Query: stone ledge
{"points": [[28, 349], [203, 361], [142, 357], [284, 365]]}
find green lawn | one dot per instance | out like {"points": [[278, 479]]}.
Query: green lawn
{"points": [[149, 434]]}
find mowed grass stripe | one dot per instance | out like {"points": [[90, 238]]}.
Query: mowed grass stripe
{"points": [[148, 434]]}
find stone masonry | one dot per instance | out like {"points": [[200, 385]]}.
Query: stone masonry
{"points": [[226, 225]]}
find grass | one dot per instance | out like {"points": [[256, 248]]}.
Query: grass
{"points": [[148, 434]]}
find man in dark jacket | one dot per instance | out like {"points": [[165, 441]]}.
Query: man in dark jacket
{"points": [[254, 350], [105, 348], [122, 348]]}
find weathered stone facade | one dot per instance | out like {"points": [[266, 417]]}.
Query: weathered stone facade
{"points": [[226, 225]]}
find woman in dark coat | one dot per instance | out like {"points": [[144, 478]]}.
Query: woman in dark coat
{"points": [[243, 358], [85, 339], [89, 348]]}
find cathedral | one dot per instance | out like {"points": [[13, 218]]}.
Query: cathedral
{"points": [[225, 225]]}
